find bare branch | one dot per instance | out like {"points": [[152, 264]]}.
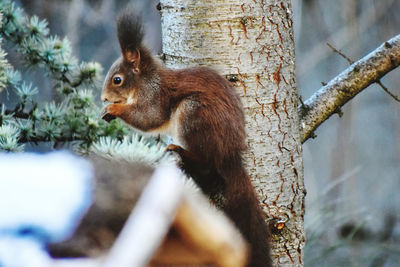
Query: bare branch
{"points": [[387, 91], [351, 62], [340, 53], [348, 84]]}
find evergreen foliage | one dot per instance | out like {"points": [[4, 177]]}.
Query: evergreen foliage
{"points": [[75, 117]]}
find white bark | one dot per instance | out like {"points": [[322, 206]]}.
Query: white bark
{"points": [[252, 41]]}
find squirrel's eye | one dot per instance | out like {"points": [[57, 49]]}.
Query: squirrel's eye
{"points": [[117, 80]]}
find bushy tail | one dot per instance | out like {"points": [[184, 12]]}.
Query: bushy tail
{"points": [[243, 208]]}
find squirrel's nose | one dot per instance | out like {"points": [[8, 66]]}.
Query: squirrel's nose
{"points": [[104, 98]]}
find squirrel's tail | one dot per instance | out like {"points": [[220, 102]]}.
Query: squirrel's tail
{"points": [[243, 208], [130, 30]]}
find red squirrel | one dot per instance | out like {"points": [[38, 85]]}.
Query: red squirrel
{"points": [[203, 114]]}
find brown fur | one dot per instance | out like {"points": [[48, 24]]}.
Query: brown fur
{"points": [[203, 113]]}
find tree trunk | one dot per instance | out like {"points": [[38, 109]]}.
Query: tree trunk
{"points": [[251, 43]]}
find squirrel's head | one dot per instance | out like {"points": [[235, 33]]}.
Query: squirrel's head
{"points": [[120, 82], [123, 78]]}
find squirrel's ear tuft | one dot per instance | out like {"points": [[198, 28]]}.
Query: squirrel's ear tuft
{"points": [[130, 32]]}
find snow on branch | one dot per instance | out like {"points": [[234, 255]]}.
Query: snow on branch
{"points": [[331, 97]]}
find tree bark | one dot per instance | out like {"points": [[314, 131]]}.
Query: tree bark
{"points": [[340, 90], [251, 43]]}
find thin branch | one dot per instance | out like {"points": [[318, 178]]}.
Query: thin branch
{"points": [[340, 53], [348, 84], [17, 114], [42, 138], [384, 88]]}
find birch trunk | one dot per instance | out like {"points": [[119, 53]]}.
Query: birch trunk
{"points": [[251, 43]]}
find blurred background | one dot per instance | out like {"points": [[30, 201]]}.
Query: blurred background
{"points": [[352, 169]]}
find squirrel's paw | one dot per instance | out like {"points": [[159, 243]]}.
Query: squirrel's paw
{"points": [[106, 115], [176, 151], [174, 148]]}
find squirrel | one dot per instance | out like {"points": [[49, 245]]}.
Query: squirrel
{"points": [[203, 114]]}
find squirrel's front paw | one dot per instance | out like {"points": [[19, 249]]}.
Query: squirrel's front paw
{"points": [[177, 152], [106, 115], [174, 148]]}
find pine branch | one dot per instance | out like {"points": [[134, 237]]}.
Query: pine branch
{"points": [[340, 90], [76, 116], [30, 37]]}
